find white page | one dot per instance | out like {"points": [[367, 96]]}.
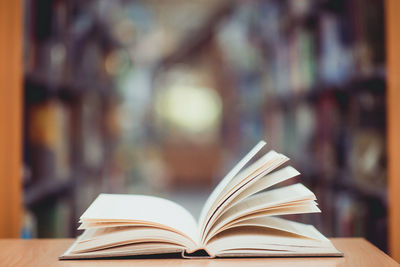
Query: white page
{"points": [[224, 182], [258, 183], [261, 167], [139, 208], [258, 169], [295, 208], [266, 182], [91, 241], [274, 250], [258, 238], [270, 199], [226, 222], [125, 250], [297, 228], [142, 248], [94, 224], [287, 194]]}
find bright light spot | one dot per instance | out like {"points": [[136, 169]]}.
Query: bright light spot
{"points": [[192, 109]]}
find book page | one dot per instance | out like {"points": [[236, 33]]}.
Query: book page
{"points": [[290, 195], [143, 210], [287, 194], [279, 251], [256, 185], [300, 207], [143, 248], [139, 249], [266, 182], [96, 239], [261, 167], [224, 182], [103, 224], [280, 224], [266, 241], [226, 223]]}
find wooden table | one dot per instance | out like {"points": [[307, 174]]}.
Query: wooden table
{"points": [[45, 252]]}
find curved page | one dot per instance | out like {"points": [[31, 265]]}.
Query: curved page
{"points": [[289, 195], [98, 239], [254, 186], [257, 240], [261, 167], [226, 180], [280, 224], [142, 209], [265, 182], [145, 248]]}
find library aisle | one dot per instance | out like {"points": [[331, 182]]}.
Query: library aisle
{"points": [[164, 97]]}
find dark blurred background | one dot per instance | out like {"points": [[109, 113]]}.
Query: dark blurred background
{"points": [[164, 97]]}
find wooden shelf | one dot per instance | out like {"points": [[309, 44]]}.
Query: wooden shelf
{"points": [[11, 106], [392, 8]]}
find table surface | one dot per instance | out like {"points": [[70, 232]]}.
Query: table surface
{"points": [[45, 252]]}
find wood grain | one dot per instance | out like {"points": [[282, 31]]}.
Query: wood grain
{"points": [[393, 113], [10, 117], [45, 252]]}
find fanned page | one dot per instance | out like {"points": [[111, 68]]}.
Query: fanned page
{"points": [[236, 221], [279, 201], [226, 180], [237, 185]]}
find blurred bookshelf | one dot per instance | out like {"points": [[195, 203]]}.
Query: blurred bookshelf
{"points": [[67, 105], [307, 76]]}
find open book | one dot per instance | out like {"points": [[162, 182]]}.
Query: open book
{"points": [[237, 220]]}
